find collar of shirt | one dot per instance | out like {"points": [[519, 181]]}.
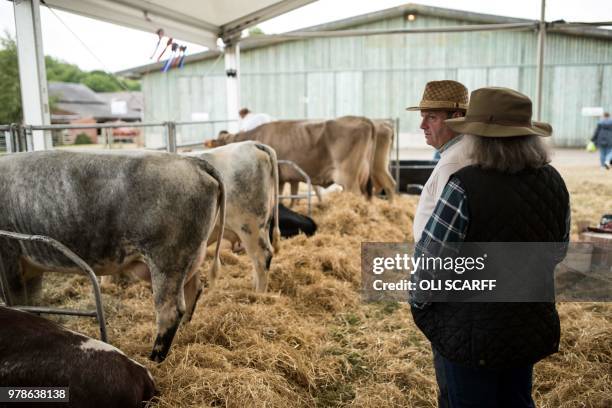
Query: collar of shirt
{"points": [[450, 143]]}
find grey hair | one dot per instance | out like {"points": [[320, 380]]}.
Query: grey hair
{"points": [[509, 154]]}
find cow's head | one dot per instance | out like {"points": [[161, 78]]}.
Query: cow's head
{"points": [[222, 139]]}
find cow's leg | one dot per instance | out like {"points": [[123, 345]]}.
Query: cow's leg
{"points": [[32, 277], [294, 190], [192, 291], [348, 182], [168, 296], [281, 189], [319, 192], [193, 287], [257, 243], [384, 181], [17, 290]]}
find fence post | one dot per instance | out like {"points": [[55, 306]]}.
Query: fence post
{"points": [[11, 139], [29, 138], [397, 160], [171, 137]]}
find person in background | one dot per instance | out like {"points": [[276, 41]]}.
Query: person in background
{"points": [[602, 138], [250, 120], [441, 100], [484, 352]]}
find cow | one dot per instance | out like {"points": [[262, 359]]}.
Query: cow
{"points": [[381, 178], [337, 151], [250, 172], [292, 223], [36, 352], [148, 213]]}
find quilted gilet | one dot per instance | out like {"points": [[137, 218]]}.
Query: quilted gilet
{"points": [[530, 206]]}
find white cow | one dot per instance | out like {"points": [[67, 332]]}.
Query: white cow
{"points": [[250, 174]]}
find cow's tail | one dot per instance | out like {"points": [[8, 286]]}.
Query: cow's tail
{"points": [[369, 187], [276, 231], [214, 173]]}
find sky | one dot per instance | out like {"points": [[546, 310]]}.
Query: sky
{"points": [[116, 48]]}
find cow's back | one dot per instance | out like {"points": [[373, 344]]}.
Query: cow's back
{"points": [[100, 204], [36, 352], [248, 175]]}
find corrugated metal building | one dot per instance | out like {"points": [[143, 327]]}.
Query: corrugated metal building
{"points": [[378, 76]]}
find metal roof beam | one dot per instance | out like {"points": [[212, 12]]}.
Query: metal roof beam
{"points": [[366, 32], [154, 9], [114, 12], [232, 30]]}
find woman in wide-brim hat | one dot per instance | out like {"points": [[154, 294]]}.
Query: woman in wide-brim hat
{"points": [[484, 352]]}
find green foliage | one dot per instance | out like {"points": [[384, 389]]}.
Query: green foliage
{"points": [[82, 138], [99, 81], [254, 31], [10, 94], [57, 71]]}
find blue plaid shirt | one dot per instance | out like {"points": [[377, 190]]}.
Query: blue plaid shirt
{"points": [[448, 224]]}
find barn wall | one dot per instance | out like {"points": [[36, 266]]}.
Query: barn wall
{"points": [[378, 76]]}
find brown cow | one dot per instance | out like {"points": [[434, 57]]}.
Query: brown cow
{"points": [[37, 352], [337, 151], [381, 178]]}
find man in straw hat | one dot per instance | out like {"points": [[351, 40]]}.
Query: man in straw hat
{"points": [[484, 352], [441, 100]]}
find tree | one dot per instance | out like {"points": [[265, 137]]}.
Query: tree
{"points": [[82, 138], [57, 71], [254, 31], [10, 92], [100, 81]]}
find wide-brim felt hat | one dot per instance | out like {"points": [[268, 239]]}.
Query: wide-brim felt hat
{"points": [[443, 95], [499, 112]]}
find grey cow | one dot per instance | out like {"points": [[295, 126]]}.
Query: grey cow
{"points": [[250, 172], [151, 214]]}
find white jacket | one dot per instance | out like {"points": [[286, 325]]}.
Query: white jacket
{"points": [[453, 158]]}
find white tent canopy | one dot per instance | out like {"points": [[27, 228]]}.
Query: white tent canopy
{"points": [[198, 21]]}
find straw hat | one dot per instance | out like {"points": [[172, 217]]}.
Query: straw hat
{"points": [[499, 112], [443, 95]]}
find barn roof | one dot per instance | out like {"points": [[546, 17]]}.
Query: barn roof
{"points": [[73, 101], [410, 8]]}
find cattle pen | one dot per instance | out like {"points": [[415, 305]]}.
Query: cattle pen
{"points": [[311, 342], [256, 320]]}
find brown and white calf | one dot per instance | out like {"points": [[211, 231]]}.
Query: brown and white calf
{"points": [[36, 352], [250, 173]]}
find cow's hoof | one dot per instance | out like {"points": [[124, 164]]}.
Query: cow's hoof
{"points": [[157, 356]]}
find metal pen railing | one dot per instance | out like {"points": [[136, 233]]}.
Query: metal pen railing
{"points": [[19, 137], [306, 179], [98, 313]]}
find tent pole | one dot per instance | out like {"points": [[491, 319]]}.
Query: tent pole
{"points": [[540, 62], [232, 84], [32, 71]]}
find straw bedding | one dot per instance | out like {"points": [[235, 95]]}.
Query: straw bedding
{"points": [[310, 341]]}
